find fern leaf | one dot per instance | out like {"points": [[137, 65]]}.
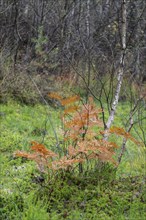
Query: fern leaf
{"points": [[122, 132], [70, 100], [40, 148], [71, 109]]}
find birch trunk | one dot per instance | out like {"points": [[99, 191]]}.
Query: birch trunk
{"points": [[120, 70], [88, 19]]}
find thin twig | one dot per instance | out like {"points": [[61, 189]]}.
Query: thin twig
{"points": [[49, 116]]}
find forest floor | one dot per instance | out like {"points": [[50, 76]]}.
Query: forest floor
{"points": [[26, 194]]}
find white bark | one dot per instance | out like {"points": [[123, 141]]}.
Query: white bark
{"points": [[120, 71], [88, 18]]}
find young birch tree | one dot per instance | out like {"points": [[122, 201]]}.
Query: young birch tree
{"points": [[119, 70]]}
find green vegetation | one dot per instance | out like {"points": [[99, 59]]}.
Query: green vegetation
{"points": [[73, 110], [26, 194]]}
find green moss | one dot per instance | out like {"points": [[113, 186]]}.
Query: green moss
{"points": [[104, 193]]}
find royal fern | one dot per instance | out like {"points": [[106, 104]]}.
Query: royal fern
{"points": [[82, 136]]}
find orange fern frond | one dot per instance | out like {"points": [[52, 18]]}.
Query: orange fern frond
{"points": [[70, 100], [25, 155], [75, 122], [122, 132], [96, 148], [72, 151], [108, 144], [71, 109], [64, 163], [40, 148]]}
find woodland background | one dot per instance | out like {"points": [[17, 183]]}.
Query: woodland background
{"points": [[66, 68], [74, 38]]}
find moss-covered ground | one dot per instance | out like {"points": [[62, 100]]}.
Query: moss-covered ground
{"points": [[107, 193]]}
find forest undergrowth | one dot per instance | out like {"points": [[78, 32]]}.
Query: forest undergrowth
{"points": [[67, 182]]}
